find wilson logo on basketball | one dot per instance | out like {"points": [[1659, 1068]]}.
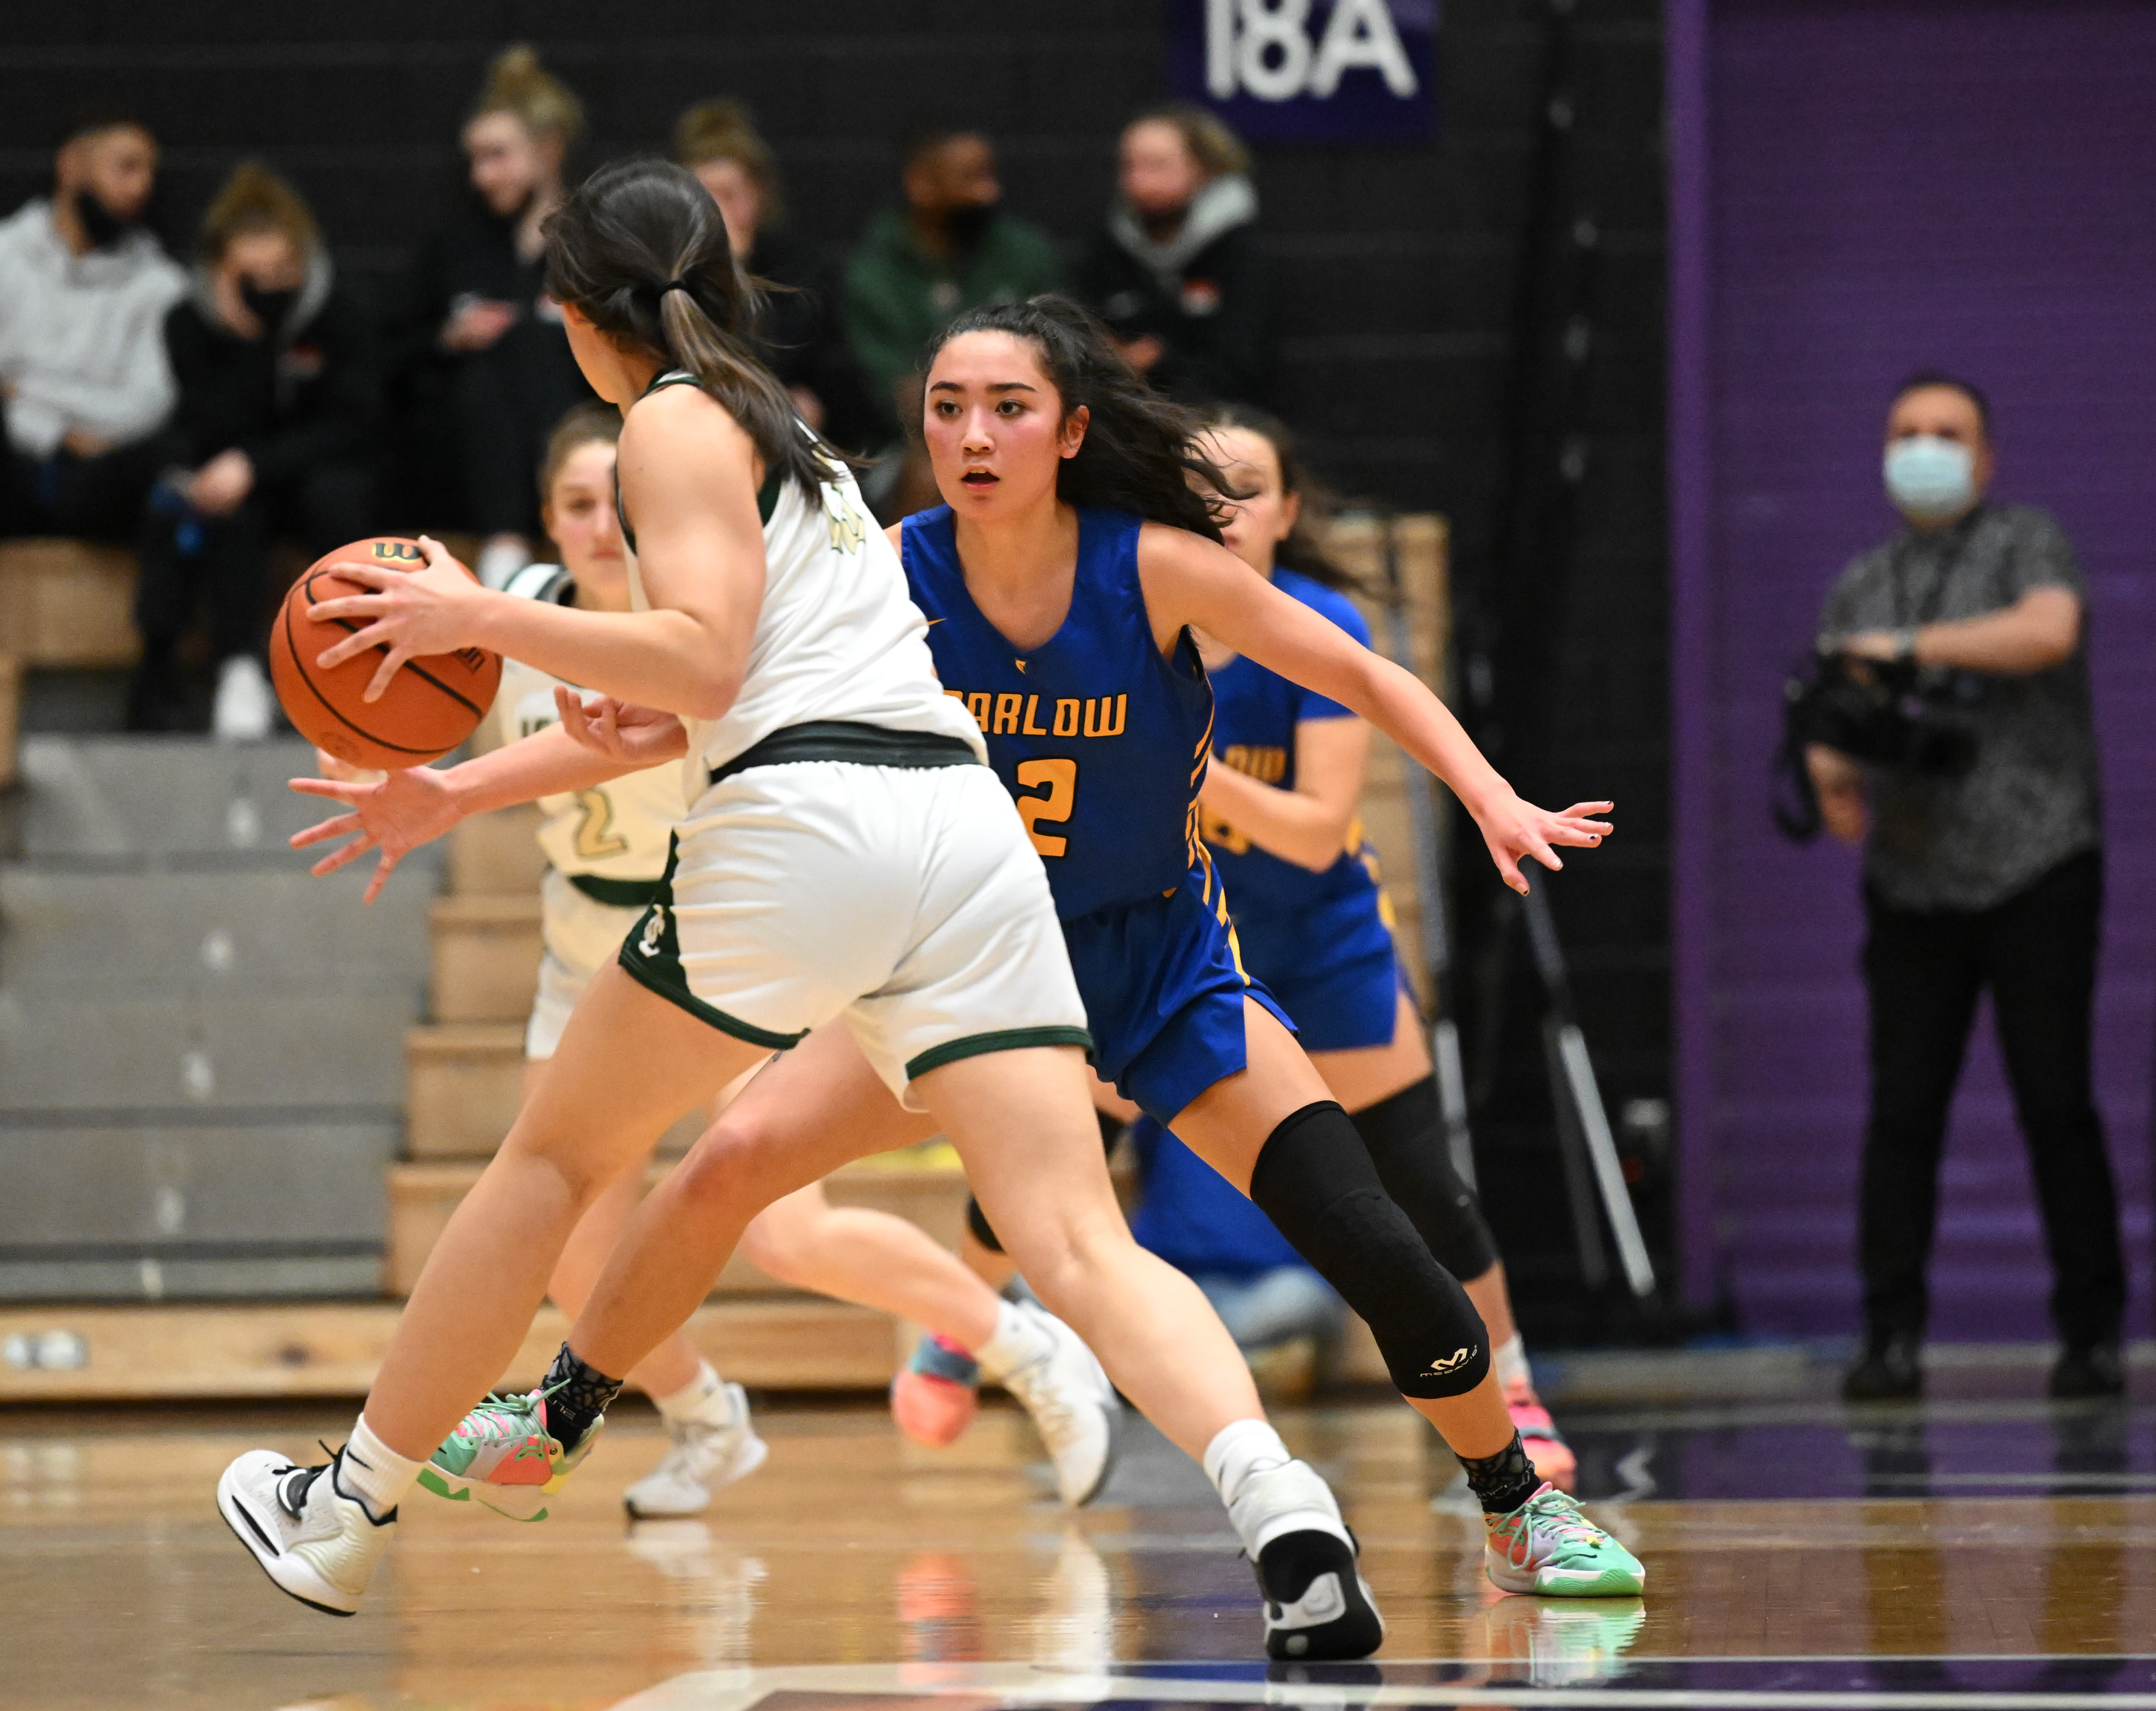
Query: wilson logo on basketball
{"points": [[398, 552]]}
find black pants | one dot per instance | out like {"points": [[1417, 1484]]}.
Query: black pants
{"points": [[91, 499], [2036, 954], [223, 564]]}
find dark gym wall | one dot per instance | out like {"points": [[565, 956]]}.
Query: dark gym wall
{"points": [[1396, 273]]}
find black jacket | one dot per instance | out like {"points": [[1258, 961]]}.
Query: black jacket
{"points": [[802, 340], [307, 394], [1202, 296]]}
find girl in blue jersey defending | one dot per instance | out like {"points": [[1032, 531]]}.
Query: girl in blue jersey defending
{"points": [[1062, 580], [1278, 811], [1278, 815]]}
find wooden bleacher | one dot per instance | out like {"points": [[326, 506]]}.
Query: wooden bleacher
{"points": [[464, 1083], [63, 603]]}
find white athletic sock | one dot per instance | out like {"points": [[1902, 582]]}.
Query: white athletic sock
{"points": [[1240, 1448], [1268, 1491], [1020, 1339], [1509, 1362], [373, 1473], [704, 1400]]}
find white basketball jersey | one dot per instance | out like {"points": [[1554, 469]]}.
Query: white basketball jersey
{"points": [[618, 830], [837, 637]]}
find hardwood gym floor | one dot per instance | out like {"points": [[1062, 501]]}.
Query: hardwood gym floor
{"points": [[1978, 1552]]}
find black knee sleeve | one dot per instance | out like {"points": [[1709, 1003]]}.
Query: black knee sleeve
{"points": [[1405, 1135], [976, 1221], [1316, 1181]]}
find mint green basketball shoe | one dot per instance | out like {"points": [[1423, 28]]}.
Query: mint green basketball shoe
{"points": [[1547, 1546], [502, 1455]]}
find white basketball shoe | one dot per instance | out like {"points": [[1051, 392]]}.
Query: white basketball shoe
{"points": [[319, 1546], [701, 1457], [1073, 1405]]}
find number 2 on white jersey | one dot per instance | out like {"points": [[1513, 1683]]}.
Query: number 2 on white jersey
{"points": [[595, 838]]}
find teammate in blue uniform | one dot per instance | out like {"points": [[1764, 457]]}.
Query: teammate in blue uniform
{"points": [[1062, 582], [1279, 814]]}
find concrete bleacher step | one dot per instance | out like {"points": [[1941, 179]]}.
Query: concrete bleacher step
{"points": [[922, 1186], [249, 1210], [168, 801], [486, 951], [200, 1044], [228, 930]]}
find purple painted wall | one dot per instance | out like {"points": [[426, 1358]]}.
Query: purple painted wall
{"points": [[1857, 190]]}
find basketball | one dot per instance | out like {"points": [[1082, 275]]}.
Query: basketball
{"points": [[434, 703]]}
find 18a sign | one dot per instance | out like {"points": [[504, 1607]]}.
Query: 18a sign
{"points": [[1309, 70]]}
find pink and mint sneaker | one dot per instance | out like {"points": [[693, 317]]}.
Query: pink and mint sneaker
{"points": [[1547, 1546], [934, 1395], [502, 1454]]}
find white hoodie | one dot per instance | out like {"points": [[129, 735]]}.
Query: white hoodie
{"points": [[82, 338]]}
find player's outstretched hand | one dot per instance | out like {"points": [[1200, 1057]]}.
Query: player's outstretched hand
{"points": [[408, 808], [1513, 829], [621, 731], [426, 611]]}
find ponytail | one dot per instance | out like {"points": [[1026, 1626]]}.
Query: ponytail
{"points": [[641, 249], [1141, 454]]}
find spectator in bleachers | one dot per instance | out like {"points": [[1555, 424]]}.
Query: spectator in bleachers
{"points": [[718, 141], [271, 435], [83, 289], [947, 246], [485, 359], [1177, 273]]}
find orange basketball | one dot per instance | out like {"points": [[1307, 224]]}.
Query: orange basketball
{"points": [[434, 703]]}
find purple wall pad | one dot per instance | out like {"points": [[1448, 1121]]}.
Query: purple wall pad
{"points": [[1857, 190]]}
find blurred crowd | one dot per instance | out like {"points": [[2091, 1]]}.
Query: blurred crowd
{"points": [[208, 414]]}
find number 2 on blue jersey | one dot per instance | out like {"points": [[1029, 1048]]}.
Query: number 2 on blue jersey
{"points": [[1059, 773]]}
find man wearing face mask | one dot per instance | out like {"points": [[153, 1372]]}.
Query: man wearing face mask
{"points": [[83, 289], [271, 436], [949, 246], [1987, 878]]}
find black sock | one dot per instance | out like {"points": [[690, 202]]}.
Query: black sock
{"points": [[576, 1394], [1503, 1482]]}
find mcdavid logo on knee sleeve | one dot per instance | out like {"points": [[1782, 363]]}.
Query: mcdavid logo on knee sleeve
{"points": [[1453, 1361]]}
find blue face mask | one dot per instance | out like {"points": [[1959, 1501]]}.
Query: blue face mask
{"points": [[1930, 479]]}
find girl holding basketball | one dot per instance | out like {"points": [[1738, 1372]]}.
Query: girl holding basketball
{"points": [[606, 849], [1062, 580], [848, 875]]}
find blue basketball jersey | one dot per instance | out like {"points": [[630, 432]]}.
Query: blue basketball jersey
{"points": [[1321, 938], [1101, 741]]}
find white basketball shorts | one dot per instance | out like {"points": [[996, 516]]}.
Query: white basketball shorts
{"points": [[906, 900], [582, 935]]}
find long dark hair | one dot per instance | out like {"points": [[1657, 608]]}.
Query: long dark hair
{"points": [[615, 250], [1303, 551], [1141, 450]]}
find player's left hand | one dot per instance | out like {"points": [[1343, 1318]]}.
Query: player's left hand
{"points": [[1512, 829], [621, 731], [412, 805], [433, 610]]}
